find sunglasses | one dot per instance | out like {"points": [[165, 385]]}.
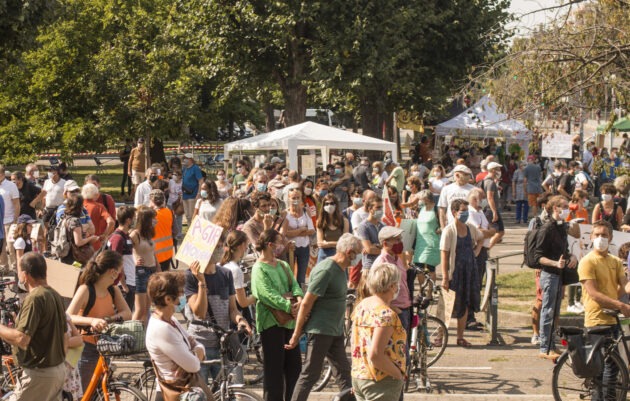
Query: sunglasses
{"points": [[329, 203]]}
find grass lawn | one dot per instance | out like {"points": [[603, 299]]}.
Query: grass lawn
{"points": [[110, 178], [517, 292]]}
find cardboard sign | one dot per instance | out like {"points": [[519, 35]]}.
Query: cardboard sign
{"points": [[557, 146], [409, 233], [61, 277], [583, 245], [201, 239]]}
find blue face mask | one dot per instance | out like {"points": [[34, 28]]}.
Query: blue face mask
{"points": [[337, 171], [261, 187], [204, 194], [463, 216], [586, 202], [323, 193]]}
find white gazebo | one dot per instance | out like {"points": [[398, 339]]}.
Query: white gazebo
{"points": [[484, 120], [309, 135]]}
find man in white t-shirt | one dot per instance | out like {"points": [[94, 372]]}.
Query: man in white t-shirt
{"points": [[360, 215], [11, 196], [144, 189], [457, 190]]}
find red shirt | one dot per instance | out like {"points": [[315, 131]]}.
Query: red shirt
{"points": [[481, 176], [99, 216]]}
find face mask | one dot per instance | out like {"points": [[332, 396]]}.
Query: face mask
{"points": [[463, 217], [337, 171], [556, 174], [36, 174], [586, 202], [295, 202], [175, 177], [600, 243], [357, 201], [378, 214], [408, 188], [564, 214], [376, 170], [397, 291], [221, 177], [498, 175], [397, 248], [204, 194], [50, 176], [153, 178], [437, 174], [330, 209], [416, 174], [273, 211], [261, 187], [323, 193], [277, 251], [607, 197], [308, 191]]}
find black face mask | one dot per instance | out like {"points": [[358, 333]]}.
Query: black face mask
{"points": [[153, 178]]}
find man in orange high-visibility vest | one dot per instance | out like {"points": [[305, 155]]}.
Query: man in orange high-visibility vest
{"points": [[164, 229]]}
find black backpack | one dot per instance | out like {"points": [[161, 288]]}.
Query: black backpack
{"points": [[92, 298], [529, 251], [555, 184]]}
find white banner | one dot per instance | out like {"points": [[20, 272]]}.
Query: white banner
{"points": [[557, 146], [580, 247]]}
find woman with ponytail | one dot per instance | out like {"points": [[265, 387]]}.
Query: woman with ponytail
{"points": [[144, 255], [236, 245], [97, 303]]}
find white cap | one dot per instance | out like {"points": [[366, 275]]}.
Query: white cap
{"points": [[460, 168], [493, 165], [70, 185], [188, 155]]}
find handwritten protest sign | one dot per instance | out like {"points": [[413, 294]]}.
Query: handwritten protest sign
{"points": [[557, 146], [201, 239]]}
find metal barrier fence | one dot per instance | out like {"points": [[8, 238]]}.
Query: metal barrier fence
{"points": [[490, 301]]}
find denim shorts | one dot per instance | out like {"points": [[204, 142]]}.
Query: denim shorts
{"points": [[142, 278]]}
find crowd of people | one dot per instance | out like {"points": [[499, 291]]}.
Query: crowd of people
{"points": [[312, 239]]}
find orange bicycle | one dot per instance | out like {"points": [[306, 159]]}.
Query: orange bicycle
{"points": [[104, 386]]}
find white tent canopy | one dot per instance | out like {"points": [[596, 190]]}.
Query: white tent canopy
{"points": [[309, 135], [484, 120]]}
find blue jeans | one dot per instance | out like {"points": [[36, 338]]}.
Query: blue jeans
{"points": [[324, 253], [302, 254], [212, 371], [142, 278], [522, 210], [551, 286], [609, 376]]}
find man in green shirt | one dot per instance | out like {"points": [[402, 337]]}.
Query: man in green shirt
{"points": [[396, 177], [321, 317], [39, 338]]}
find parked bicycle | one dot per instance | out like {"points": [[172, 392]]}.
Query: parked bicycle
{"points": [[592, 366], [429, 337]]}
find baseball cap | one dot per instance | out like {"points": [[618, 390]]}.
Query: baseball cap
{"points": [[71, 186], [484, 164], [188, 155], [388, 232], [26, 219], [460, 168], [276, 159], [493, 165]]}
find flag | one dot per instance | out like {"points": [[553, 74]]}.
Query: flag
{"points": [[388, 210]]}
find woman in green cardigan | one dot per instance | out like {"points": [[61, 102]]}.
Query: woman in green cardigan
{"points": [[271, 278]]}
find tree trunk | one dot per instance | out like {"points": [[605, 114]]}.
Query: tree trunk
{"points": [[270, 119], [369, 118], [295, 104], [157, 151]]}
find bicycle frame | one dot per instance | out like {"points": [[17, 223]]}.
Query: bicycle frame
{"points": [[100, 375], [9, 364]]}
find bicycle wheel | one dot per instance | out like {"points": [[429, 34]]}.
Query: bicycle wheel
{"points": [[566, 385], [238, 394], [253, 372], [121, 392], [324, 378], [437, 337], [147, 384], [10, 378]]}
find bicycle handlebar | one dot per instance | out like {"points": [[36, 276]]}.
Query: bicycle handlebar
{"points": [[215, 327]]}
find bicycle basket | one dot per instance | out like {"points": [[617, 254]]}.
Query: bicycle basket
{"points": [[586, 355], [123, 339]]}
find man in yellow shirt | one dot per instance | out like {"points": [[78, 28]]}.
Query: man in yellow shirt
{"points": [[604, 280]]}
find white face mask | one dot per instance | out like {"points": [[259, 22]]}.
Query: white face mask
{"points": [[607, 197], [50, 176], [397, 291], [600, 243], [564, 214], [330, 209], [308, 191], [356, 259], [295, 202], [415, 173]]}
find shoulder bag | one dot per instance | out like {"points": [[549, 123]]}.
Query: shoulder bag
{"points": [[81, 254], [281, 316]]}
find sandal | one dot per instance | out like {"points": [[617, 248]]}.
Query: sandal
{"points": [[463, 343]]}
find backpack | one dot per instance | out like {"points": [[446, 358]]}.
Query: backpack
{"points": [[60, 244], [555, 183], [529, 251]]}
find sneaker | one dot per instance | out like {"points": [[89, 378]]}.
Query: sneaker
{"points": [[573, 309], [579, 308], [535, 339]]}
